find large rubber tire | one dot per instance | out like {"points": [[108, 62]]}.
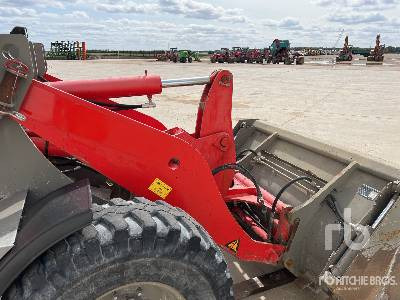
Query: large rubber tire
{"points": [[140, 241]]}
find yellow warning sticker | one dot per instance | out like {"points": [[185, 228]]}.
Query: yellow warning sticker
{"points": [[234, 246], [160, 188]]}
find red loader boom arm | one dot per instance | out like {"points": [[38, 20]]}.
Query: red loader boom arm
{"points": [[140, 154]]}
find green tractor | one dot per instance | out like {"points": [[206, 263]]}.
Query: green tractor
{"points": [[184, 56], [195, 56]]}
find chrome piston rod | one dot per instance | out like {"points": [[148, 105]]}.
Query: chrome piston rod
{"points": [[185, 82]]}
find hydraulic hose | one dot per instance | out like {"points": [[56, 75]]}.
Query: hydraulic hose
{"points": [[246, 173], [284, 188], [117, 106], [260, 198], [281, 191]]}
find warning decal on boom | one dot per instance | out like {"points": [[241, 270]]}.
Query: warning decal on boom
{"points": [[234, 246], [160, 188]]}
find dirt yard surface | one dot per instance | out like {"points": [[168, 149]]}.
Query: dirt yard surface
{"points": [[356, 107], [351, 106]]}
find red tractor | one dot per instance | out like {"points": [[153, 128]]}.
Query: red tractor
{"points": [[101, 201], [170, 55], [222, 56], [266, 54], [254, 56], [215, 57], [239, 54], [173, 55]]}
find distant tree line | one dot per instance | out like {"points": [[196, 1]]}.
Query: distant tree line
{"points": [[391, 49], [388, 49], [154, 53], [140, 53]]}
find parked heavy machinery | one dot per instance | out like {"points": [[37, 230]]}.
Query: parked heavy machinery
{"points": [[312, 52], [254, 56], [227, 56], [173, 55], [377, 54], [75, 222], [266, 55], [67, 50], [162, 56], [297, 58], [215, 57], [195, 55], [345, 54], [280, 52], [222, 56], [168, 55], [239, 54], [184, 56]]}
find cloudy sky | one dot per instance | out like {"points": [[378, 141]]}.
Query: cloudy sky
{"points": [[203, 24]]}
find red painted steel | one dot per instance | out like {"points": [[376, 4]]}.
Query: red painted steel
{"points": [[132, 114], [251, 223], [268, 198], [47, 148], [50, 78], [95, 89], [134, 154], [84, 51]]}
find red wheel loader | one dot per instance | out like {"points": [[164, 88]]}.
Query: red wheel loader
{"points": [[101, 201]]}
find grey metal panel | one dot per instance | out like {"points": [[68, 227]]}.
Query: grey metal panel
{"points": [[380, 258], [33, 58], [10, 216], [373, 166], [342, 176], [23, 167], [19, 47], [41, 62]]}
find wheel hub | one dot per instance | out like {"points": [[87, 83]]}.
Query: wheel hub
{"points": [[143, 291]]}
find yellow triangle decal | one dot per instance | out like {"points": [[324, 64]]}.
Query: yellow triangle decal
{"points": [[234, 246]]}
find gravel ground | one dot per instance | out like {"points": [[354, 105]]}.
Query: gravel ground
{"points": [[356, 107]]}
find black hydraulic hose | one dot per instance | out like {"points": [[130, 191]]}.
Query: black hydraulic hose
{"points": [[250, 212], [117, 105], [283, 189], [246, 173], [260, 198]]}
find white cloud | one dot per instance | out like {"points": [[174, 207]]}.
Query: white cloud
{"points": [[77, 14], [33, 3], [18, 12], [366, 5], [288, 23], [356, 18], [186, 8], [197, 24], [129, 7]]}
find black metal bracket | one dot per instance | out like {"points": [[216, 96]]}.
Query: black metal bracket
{"points": [[262, 283]]}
